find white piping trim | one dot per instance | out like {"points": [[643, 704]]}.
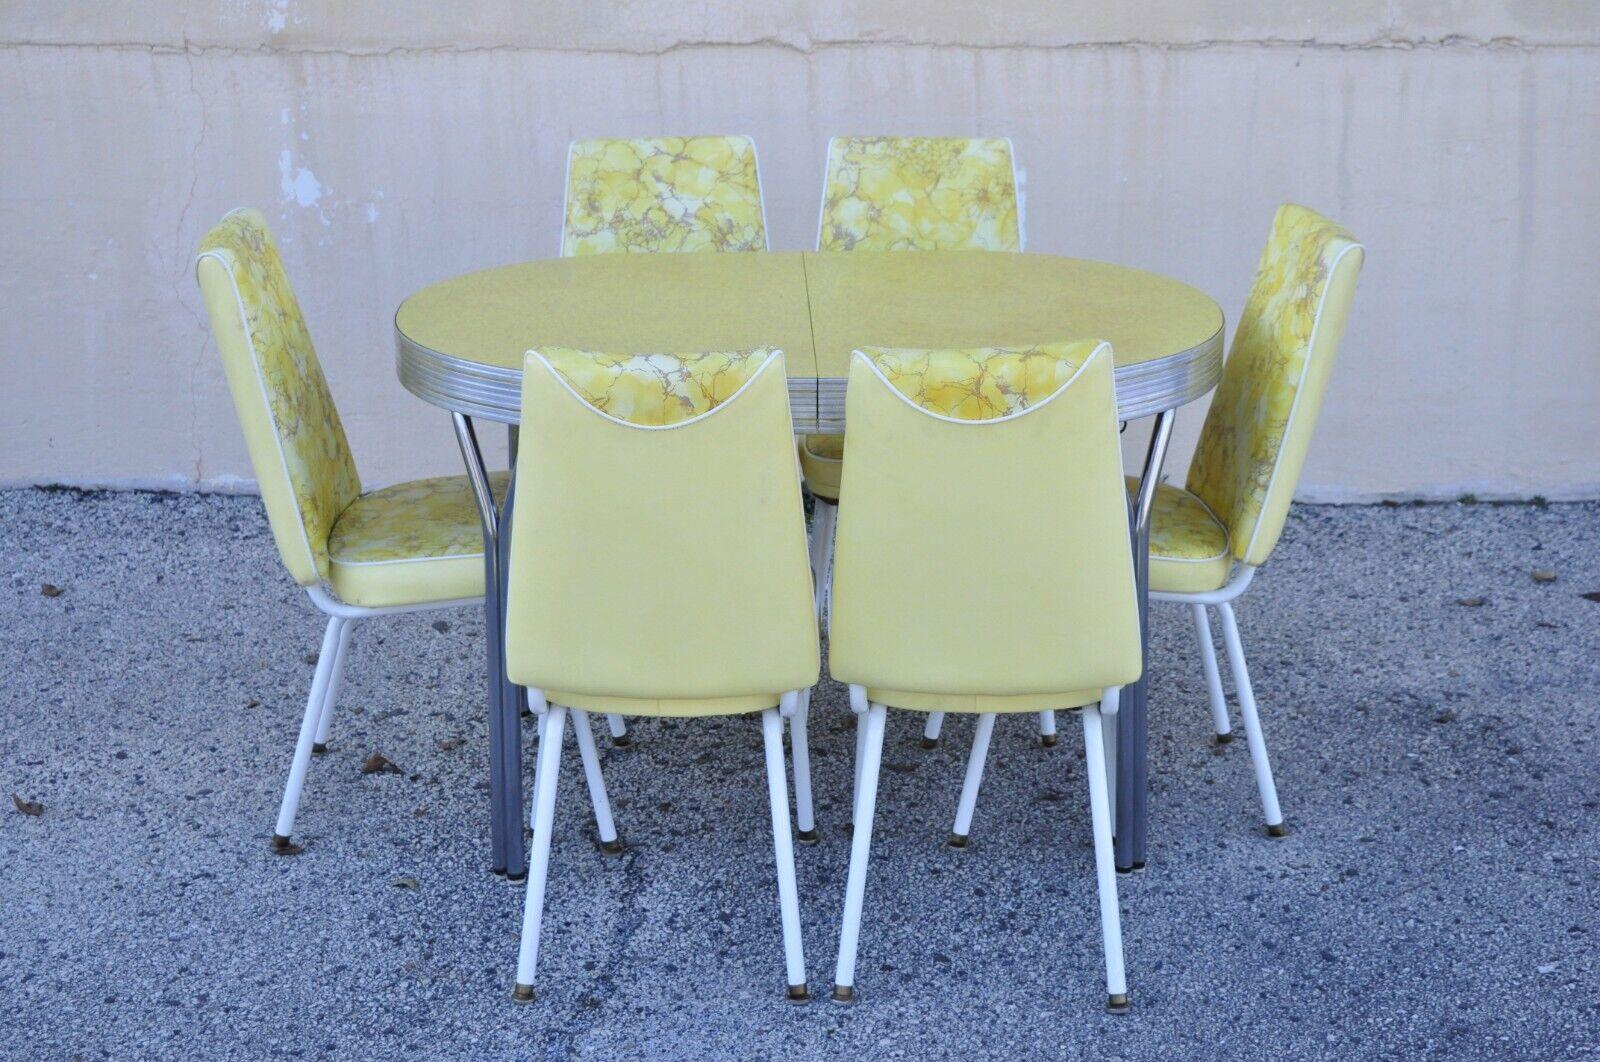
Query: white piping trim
{"points": [[755, 156], [901, 395], [566, 200], [822, 200], [1299, 390], [221, 258], [776, 355]]}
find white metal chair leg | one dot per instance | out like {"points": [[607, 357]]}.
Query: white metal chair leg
{"points": [[799, 743], [871, 756], [969, 787], [1252, 723], [861, 758], [544, 814], [783, 850], [1105, 870], [930, 732], [1208, 660], [619, 731], [1109, 702], [331, 695], [609, 843], [326, 661], [1047, 728]]}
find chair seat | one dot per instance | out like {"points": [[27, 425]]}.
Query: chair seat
{"points": [[983, 702], [822, 463], [598, 704], [410, 544], [1188, 544]]}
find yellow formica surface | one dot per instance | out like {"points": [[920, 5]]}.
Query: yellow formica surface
{"points": [[814, 306], [618, 303]]}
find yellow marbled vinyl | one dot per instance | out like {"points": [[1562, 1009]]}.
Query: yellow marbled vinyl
{"points": [[699, 193], [655, 390], [308, 435], [1241, 445], [983, 383], [919, 194]]}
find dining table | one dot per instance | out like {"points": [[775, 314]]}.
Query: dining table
{"points": [[461, 342]]}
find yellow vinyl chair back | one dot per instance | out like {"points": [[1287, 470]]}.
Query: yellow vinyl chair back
{"points": [[983, 547], [885, 193], [700, 193], [658, 552], [1254, 441], [297, 445]]}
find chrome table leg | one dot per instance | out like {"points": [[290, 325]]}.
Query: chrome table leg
{"points": [[1133, 770], [505, 779]]}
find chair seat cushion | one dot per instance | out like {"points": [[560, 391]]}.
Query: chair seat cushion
{"points": [[966, 702], [410, 544], [1188, 544], [822, 463], [599, 704]]}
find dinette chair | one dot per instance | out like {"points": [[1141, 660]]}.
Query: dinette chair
{"points": [[983, 567], [903, 193], [1208, 538], [412, 546], [662, 194], [658, 568], [668, 193]]}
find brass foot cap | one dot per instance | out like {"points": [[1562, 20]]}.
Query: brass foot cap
{"points": [[844, 994], [612, 847], [1223, 739], [522, 993], [281, 845], [958, 840], [930, 743], [807, 836], [799, 994], [319, 748], [1049, 740], [1117, 1004], [1280, 830]]}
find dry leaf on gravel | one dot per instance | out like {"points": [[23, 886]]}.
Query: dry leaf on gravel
{"points": [[1469, 602], [378, 763], [49, 589], [406, 883], [27, 807], [1543, 575]]}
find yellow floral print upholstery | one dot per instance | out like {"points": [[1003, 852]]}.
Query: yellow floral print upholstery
{"points": [[297, 443], [919, 194], [411, 543], [1250, 450], [698, 193], [655, 390], [910, 194], [1188, 544], [983, 383]]}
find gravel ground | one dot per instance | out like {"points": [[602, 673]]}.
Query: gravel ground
{"points": [[1436, 897]]}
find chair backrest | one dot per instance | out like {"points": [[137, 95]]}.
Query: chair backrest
{"points": [[919, 193], [982, 545], [1254, 441], [297, 445], [658, 542], [673, 193]]}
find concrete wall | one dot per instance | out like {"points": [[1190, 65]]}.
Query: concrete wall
{"points": [[395, 144]]}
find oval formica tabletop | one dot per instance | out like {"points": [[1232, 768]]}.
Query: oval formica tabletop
{"points": [[461, 341]]}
